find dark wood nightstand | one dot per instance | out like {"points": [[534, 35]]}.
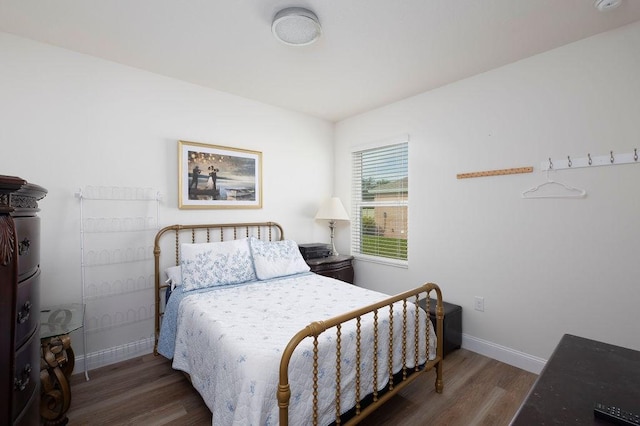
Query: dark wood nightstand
{"points": [[451, 326], [339, 267]]}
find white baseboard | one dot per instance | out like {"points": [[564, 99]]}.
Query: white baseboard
{"points": [[509, 356], [113, 355]]}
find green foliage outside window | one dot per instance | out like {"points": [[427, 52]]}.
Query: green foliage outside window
{"points": [[394, 248]]}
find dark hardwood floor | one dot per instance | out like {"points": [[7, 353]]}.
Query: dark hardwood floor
{"points": [[147, 391]]}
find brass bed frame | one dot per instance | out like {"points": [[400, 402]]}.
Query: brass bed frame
{"points": [[271, 231]]}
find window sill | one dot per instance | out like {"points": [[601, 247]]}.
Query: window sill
{"points": [[381, 260]]}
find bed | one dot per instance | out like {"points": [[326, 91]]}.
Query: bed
{"points": [[264, 341]]}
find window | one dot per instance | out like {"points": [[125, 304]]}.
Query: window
{"points": [[380, 202]]}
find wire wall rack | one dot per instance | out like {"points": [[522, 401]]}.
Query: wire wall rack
{"points": [[117, 227]]}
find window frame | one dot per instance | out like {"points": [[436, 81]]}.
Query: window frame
{"points": [[357, 202]]}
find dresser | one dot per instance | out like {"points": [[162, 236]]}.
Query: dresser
{"points": [[580, 373], [19, 301], [339, 267]]}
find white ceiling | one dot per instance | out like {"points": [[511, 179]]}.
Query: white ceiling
{"points": [[371, 53]]}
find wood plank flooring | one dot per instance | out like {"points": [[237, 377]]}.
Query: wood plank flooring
{"points": [[147, 391]]}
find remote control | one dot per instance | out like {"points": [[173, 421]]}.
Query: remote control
{"points": [[615, 415]]}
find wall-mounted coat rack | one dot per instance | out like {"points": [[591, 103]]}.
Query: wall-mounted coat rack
{"points": [[612, 159]]}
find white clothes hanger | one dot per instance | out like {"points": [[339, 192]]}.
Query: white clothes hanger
{"points": [[566, 191]]}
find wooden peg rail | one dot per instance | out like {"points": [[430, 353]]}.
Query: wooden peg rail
{"points": [[495, 172]]}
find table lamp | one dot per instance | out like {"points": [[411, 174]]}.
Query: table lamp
{"points": [[332, 210]]}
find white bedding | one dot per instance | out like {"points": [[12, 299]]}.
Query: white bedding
{"points": [[230, 341]]}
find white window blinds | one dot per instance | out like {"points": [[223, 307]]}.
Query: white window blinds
{"points": [[380, 202]]}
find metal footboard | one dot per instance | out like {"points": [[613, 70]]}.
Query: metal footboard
{"points": [[404, 377]]}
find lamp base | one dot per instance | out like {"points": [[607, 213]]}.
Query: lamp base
{"points": [[332, 225]]}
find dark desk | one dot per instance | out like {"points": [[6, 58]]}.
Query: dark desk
{"points": [[579, 373]]}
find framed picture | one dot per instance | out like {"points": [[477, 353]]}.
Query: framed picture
{"points": [[218, 177]]}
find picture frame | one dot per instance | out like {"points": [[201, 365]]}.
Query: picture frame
{"points": [[218, 177]]}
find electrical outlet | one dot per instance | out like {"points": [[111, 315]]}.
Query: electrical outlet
{"points": [[479, 304]]}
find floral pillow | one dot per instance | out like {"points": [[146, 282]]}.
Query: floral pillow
{"points": [[216, 264], [276, 258]]}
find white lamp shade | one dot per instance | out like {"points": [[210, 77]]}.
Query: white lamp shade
{"points": [[332, 209]]}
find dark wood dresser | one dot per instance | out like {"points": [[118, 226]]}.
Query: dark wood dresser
{"points": [[580, 373], [19, 301], [339, 267]]}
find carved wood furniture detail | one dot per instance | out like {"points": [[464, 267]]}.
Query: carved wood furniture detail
{"points": [[56, 366], [57, 362], [19, 301]]}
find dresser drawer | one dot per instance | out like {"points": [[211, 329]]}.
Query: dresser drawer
{"points": [[27, 308], [26, 374], [30, 415], [28, 230]]}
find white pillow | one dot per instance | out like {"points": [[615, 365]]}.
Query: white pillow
{"points": [[174, 276], [276, 258], [216, 264]]}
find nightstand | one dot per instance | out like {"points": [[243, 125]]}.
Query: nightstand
{"points": [[339, 267], [451, 326]]}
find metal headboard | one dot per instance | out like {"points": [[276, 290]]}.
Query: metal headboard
{"points": [[202, 233]]}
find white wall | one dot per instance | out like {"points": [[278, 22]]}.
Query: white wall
{"points": [[545, 267], [71, 120]]}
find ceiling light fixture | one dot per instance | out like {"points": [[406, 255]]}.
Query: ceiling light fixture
{"points": [[605, 5], [296, 26]]}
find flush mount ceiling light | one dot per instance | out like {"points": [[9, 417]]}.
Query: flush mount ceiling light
{"points": [[605, 5], [296, 26]]}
